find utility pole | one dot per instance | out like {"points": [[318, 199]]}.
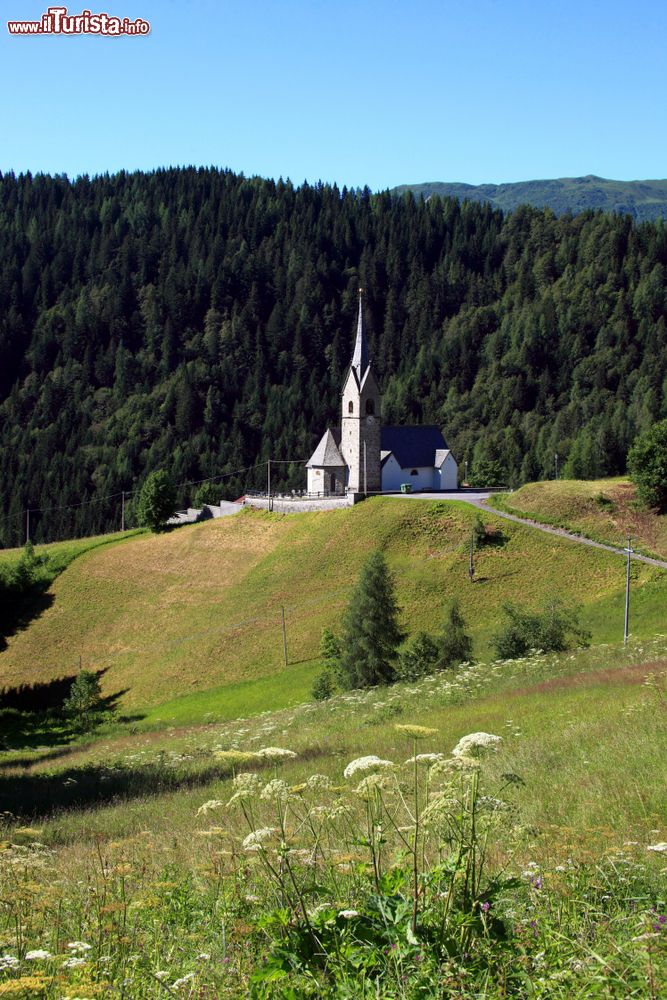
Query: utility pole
{"points": [[122, 511], [556, 461], [466, 476], [282, 609], [629, 551], [27, 526], [268, 481], [471, 564], [365, 478]]}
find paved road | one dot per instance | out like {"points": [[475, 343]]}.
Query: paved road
{"points": [[480, 500]]}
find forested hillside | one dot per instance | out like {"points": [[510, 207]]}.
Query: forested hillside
{"points": [[200, 321]]}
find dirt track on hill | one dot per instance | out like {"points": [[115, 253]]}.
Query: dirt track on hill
{"points": [[562, 533]]}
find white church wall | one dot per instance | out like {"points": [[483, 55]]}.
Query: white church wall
{"points": [[447, 476], [328, 481], [393, 477]]}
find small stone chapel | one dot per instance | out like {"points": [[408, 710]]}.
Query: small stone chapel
{"points": [[362, 456]]}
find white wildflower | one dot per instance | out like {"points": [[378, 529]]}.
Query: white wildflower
{"points": [[472, 744], [75, 962], [660, 848], [246, 785], [79, 946], [209, 806], [425, 758], [371, 783], [368, 763], [204, 957], [37, 955], [276, 753], [348, 914], [184, 981], [320, 782], [254, 840], [8, 962], [276, 791], [493, 805]]}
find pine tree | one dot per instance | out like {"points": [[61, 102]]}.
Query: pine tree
{"points": [[371, 631], [84, 702], [454, 645]]}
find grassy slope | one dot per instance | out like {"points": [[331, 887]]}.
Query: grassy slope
{"points": [[198, 609], [602, 509], [566, 721]]}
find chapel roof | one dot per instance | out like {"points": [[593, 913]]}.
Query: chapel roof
{"points": [[414, 446], [327, 453]]}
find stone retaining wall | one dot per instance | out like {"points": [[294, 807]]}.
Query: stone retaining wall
{"points": [[300, 505]]}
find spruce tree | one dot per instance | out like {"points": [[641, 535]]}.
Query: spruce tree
{"points": [[455, 645], [371, 630]]}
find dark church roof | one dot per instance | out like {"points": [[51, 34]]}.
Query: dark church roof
{"points": [[413, 446]]}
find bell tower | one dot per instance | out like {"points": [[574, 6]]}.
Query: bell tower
{"points": [[360, 418]]}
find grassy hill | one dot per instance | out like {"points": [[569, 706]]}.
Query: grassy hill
{"points": [[643, 200], [604, 510], [189, 622], [125, 868]]}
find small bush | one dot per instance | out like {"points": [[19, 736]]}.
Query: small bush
{"points": [[479, 532], [553, 629], [418, 658], [323, 686], [603, 502]]}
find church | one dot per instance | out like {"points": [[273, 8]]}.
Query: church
{"points": [[363, 456]]}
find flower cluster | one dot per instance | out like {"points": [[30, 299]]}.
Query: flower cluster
{"points": [[368, 763], [475, 743]]}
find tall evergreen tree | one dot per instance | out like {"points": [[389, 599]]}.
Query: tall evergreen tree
{"points": [[371, 631]]}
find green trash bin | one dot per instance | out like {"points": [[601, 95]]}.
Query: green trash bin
{"points": [[406, 487]]}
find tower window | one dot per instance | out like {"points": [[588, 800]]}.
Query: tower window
{"points": [[370, 406], [414, 472], [350, 407]]}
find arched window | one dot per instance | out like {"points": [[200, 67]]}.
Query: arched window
{"points": [[350, 407], [414, 472], [370, 406]]}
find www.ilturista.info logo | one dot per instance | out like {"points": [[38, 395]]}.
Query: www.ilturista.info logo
{"points": [[56, 21]]}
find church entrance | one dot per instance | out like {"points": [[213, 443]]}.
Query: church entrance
{"points": [[332, 486]]}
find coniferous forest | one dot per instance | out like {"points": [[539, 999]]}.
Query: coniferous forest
{"points": [[201, 322]]}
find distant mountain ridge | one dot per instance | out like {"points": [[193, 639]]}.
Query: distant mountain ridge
{"points": [[643, 200]]}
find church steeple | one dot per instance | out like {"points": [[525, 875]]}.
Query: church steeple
{"points": [[360, 359], [360, 423]]}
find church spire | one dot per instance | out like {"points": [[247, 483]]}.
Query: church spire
{"points": [[360, 360]]}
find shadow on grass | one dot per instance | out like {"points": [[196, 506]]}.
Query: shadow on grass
{"points": [[36, 796], [18, 615], [25, 762], [33, 716]]}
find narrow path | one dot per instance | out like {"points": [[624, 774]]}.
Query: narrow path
{"points": [[562, 533], [479, 500]]}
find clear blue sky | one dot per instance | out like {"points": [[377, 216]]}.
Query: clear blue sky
{"points": [[365, 92]]}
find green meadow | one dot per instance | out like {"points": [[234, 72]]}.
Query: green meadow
{"points": [[223, 835]]}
